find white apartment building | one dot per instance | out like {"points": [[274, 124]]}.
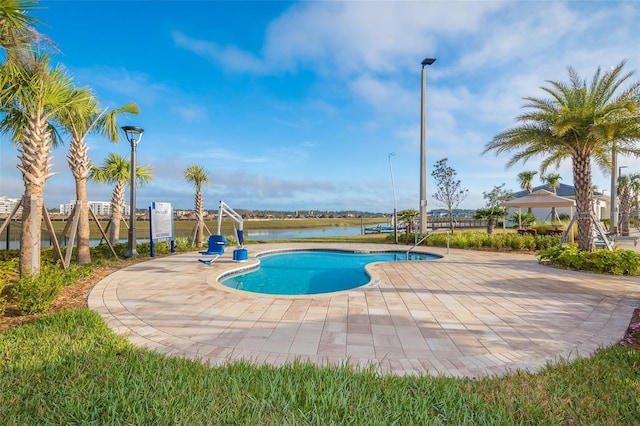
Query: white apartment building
{"points": [[8, 204], [100, 208]]}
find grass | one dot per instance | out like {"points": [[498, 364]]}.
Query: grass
{"points": [[70, 368]]}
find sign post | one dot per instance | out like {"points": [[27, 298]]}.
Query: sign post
{"points": [[161, 225]]}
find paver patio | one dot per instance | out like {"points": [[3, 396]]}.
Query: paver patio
{"points": [[471, 313]]}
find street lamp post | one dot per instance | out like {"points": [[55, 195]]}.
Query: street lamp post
{"points": [[395, 207], [423, 147], [134, 135]]}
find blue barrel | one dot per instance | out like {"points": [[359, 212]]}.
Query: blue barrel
{"points": [[240, 255]]}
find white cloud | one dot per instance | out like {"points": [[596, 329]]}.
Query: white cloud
{"points": [[190, 112], [230, 57]]}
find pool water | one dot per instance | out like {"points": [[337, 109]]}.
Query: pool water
{"points": [[313, 272]]}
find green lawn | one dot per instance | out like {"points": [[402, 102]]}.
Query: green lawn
{"points": [[70, 368]]}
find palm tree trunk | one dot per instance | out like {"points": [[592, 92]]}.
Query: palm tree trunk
{"points": [[117, 203], [625, 211], [584, 201], [490, 225], [35, 158], [84, 233], [200, 217], [78, 159]]}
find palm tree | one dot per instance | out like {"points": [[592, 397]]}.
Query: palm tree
{"points": [[198, 176], [409, 216], [579, 122], [525, 179], [32, 94], [552, 180], [116, 170], [79, 121], [16, 25]]}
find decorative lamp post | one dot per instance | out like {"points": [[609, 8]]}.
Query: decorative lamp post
{"points": [[134, 135], [395, 207], [423, 148]]}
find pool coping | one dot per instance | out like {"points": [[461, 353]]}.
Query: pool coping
{"points": [[470, 314], [374, 279]]}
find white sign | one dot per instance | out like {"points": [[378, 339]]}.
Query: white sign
{"points": [[161, 222]]}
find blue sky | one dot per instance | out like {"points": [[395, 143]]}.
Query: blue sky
{"points": [[297, 105]]}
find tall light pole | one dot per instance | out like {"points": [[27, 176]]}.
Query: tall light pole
{"points": [[395, 207], [134, 135], [423, 147]]}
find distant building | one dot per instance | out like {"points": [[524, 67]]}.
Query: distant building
{"points": [[8, 204], [99, 208]]}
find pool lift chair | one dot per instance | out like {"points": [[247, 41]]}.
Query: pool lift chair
{"points": [[217, 242], [215, 248]]}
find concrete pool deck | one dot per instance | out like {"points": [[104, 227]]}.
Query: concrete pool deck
{"points": [[471, 313]]}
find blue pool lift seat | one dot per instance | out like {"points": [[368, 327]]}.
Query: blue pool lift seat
{"points": [[215, 247]]}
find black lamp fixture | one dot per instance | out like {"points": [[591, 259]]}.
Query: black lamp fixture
{"points": [[134, 135]]}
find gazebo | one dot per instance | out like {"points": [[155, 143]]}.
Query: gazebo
{"points": [[539, 199]]}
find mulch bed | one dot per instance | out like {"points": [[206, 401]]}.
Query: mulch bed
{"points": [[631, 338]]}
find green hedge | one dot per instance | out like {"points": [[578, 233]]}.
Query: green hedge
{"points": [[601, 261], [498, 241]]}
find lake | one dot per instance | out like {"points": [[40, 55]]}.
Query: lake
{"points": [[251, 235], [275, 234]]}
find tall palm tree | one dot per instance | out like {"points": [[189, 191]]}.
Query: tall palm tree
{"points": [[116, 170], [525, 179], [17, 25], [552, 180], [32, 94], [579, 122], [79, 121], [198, 176]]}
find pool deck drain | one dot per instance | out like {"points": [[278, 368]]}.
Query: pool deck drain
{"points": [[469, 314]]}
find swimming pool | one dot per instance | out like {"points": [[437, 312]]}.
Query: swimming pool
{"points": [[302, 272]]}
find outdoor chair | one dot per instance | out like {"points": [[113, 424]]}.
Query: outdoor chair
{"points": [[215, 247]]}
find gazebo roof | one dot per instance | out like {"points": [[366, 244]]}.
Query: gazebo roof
{"points": [[539, 198]]}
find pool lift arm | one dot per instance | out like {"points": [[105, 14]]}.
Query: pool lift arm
{"points": [[239, 254]]}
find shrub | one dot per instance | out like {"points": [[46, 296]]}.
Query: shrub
{"points": [[3, 297], [494, 241], [602, 261], [34, 294]]}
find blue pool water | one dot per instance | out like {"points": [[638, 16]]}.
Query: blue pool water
{"points": [[313, 272]]}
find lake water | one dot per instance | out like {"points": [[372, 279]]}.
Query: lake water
{"points": [[275, 234], [251, 235]]}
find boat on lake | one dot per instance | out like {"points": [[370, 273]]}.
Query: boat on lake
{"points": [[381, 229]]}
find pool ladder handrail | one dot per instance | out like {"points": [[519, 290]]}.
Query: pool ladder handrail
{"points": [[435, 231]]}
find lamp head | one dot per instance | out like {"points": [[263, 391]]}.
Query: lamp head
{"points": [[133, 133], [428, 61]]}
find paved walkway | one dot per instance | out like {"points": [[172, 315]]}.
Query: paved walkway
{"points": [[469, 314]]}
